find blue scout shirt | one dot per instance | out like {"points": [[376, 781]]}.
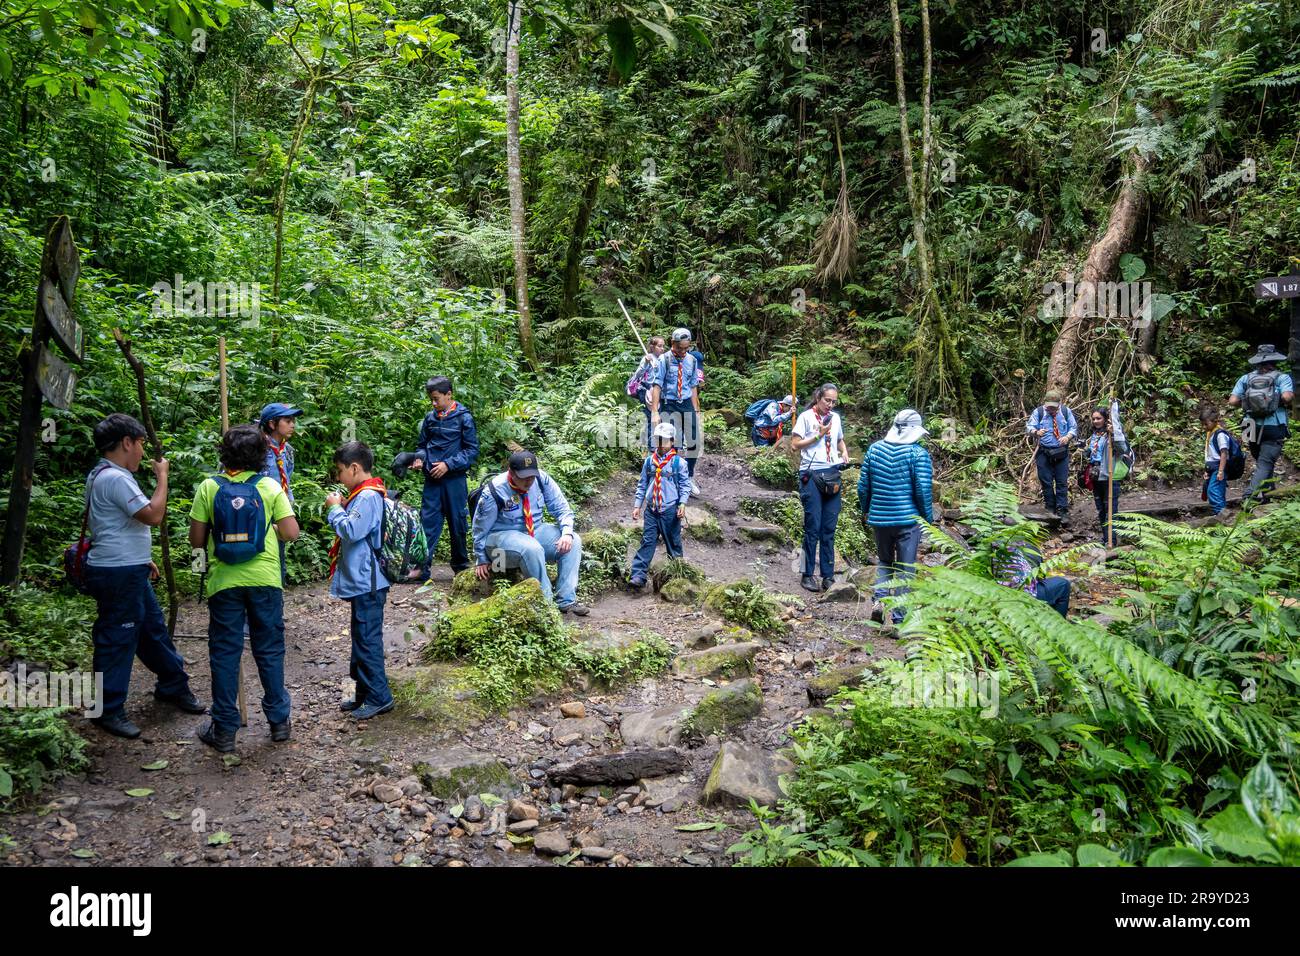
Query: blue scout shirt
{"points": [[277, 457], [665, 376], [118, 540], [358, 527], [448, 437], [771, 416], [1284, 383], [489, 517], [1064, 421], [675, 483]]}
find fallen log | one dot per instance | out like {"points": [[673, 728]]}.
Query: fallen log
{"points": [[625, 767]]}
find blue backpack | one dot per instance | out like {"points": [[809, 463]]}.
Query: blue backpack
{"points": [[238, 520], [756, 409], [1236, 457]]}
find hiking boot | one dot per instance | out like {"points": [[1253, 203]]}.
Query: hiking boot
{"points": [[351, 704], [119, 725], [637, 583], [280, 732], [183, 700], [878, 612], [827, 582], [810, 583], [366, 711], [222, 741], [1064, 517], [577, 607]]}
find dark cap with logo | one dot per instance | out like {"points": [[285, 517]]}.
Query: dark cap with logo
{"points": [[523, 464]]}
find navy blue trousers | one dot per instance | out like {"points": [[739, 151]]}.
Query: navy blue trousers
{"points": [[1055, 480], [446, 499], [129, 625], [656, 525], [821, 513], [367, 664], [1056, 592], [262, 608]]}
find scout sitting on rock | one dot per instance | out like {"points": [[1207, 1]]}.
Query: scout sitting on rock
{"points": [[662, 493], [509, 531]]}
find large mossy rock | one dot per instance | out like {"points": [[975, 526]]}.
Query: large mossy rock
{"points": [[702, 526], [742, 773], [727, 708], [681, 591], [725, 660], [459, 771]]}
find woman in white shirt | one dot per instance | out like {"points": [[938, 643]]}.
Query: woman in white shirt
{"points": [[819, 438]]}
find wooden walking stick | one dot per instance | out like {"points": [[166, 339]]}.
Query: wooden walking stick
{"points": [[1110, 478], [146, 419], [645, 350], [225, 427]]}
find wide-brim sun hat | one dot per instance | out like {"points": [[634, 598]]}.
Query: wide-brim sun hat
{"points": [[907, 428], [1267, 353]]}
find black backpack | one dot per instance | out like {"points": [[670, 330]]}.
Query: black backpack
{"points": [[1236, 466], [477, 493]]}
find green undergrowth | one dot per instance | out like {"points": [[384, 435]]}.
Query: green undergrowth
{"points": [[514, 644]]}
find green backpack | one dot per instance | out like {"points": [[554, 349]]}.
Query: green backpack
{"points": [[402, 544]]}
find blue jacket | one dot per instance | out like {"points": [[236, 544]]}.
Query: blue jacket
{"points": [[358, 527], [451, 438], [1065, 424], [675, 482], [490, 517], [894, 486]]}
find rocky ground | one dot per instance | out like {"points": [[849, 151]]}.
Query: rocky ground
{"points": [[657, 773]]}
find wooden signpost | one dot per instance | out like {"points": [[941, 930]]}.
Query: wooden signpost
{"points": [[45, 375], [1285, 287]]}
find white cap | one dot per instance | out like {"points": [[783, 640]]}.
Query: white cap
{"points": [[666, 430], [907, 428], [681, 335], [788, 400]]}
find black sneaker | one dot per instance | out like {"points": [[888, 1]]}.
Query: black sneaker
{"points": [[351, 704], [827, 582], [577, 607], [184, 701], [810, 583], [222, 741], [280, 731], [119, 725]]}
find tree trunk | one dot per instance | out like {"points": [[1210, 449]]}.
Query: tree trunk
{"points": [[1099, 267], [950, 365], [517, 183], [573, 257]]}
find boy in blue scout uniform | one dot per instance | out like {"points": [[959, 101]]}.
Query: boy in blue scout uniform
{"points": [[662, 492], [446, 450], [509, 531]]}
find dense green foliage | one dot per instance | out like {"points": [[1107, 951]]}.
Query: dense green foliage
{"points": [[349, 161]]}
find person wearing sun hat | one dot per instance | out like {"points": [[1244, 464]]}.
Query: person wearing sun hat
{"points": [[895, 494], [1262, 393], [1053, 427]]}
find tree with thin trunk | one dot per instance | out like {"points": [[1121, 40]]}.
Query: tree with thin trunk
{"points": [[945, 367], [515, 176]]}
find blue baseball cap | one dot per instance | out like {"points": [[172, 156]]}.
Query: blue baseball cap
{"points": [[278, 410]]}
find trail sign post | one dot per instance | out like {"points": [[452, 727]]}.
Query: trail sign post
{"points": [[1285, 287], [46, 375]]}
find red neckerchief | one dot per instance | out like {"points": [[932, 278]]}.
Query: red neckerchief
{"points": [[527, 506], [378, 485], [454, 406], [657, 496], [279, 461], [1056, 432]]}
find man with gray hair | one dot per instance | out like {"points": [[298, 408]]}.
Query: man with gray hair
{"points": [[674, 392]]}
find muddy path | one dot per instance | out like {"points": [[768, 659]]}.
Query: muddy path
{"points": [[340, 793]]}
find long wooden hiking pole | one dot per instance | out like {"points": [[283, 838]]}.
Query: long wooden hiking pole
{"points": [[1110, 480], [146, 419], [644, 350], [225, 427]]}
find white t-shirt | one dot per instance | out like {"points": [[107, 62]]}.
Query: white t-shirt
{"points": [[818, 454], [1213, 445]]}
